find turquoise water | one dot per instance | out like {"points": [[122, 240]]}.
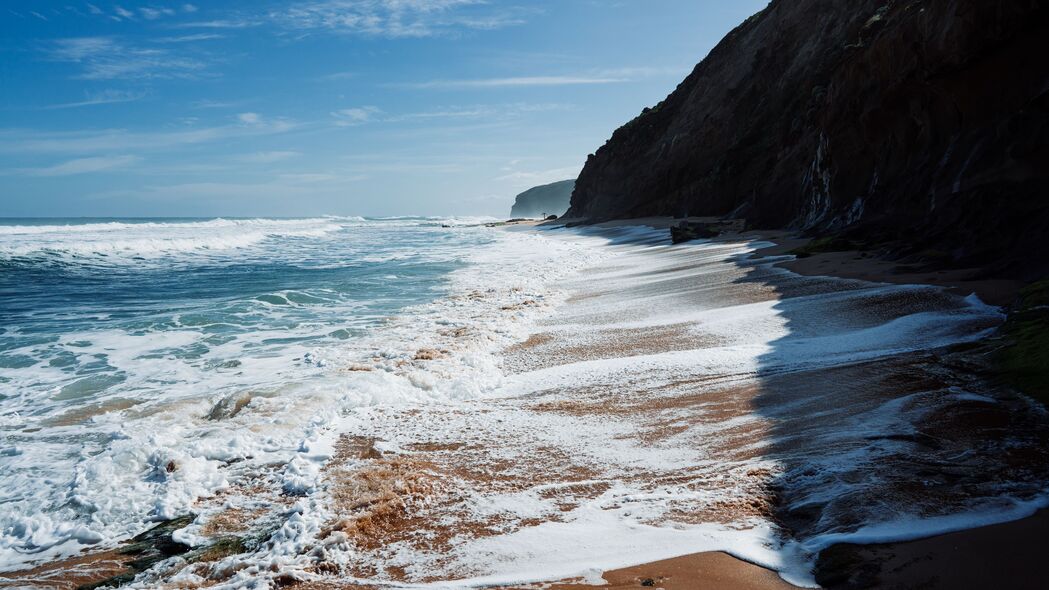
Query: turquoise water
{"points": [[199, 294]]}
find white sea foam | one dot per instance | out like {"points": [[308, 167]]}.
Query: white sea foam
{"points": [[763, 339], [118, 487], [151, 239]]}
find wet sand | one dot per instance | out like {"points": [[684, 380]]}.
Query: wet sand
{"points": [[868, 266], [1001, 555], [998, 556], [851, 264], [68, 574], [700, 571]]}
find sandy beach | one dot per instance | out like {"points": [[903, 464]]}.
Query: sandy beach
{"points": [[696, 410], [1003, 555], [974, 558]]}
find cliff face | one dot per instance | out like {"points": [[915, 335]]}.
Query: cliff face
{"points": [[923, 124], [548, 199]]}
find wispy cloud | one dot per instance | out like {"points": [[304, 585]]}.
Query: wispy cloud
{"points": [[81, 166], [230, 23], [396, 18], [120, 14], [533, 177], [268, 157], [521, 81], [213, 104], [339, 76], [605, 76], [281, 187], [104, 97], [189, 38], [636, 72], [122, 141], [480, 111], [355, 116], [316, 177], [106, 58], [155, 13]]}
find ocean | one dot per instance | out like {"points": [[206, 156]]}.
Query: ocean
{"points": [[121, 339]]}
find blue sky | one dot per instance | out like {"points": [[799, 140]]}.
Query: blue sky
{"points": [[307, 107]]}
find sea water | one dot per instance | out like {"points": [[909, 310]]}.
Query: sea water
{"points": [[127, 344]]}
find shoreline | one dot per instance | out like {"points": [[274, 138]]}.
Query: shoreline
{"points": [[858, 264], [970, 559], [697, 571], [721, 570], [865, 265], [973, 558]]}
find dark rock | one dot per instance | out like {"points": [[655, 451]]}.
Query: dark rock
{"points": [[157, 543], [541, 201], [914, 124], [686, 231], [826, 244], [551, 218], [219, 549], [147, 549], [229, 406]]}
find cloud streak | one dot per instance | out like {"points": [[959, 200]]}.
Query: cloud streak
{"points": [[395, 18], [106, 58], [480, 111], [231, 23], [268, 157], [355, 116], [189, 38], [607, 76], [81, 166], [119, 140], [103, 97], [515, 82], [533, 177]]}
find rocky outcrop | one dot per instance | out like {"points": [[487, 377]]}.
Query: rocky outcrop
{"points": [[541, 201], [921, 125]]}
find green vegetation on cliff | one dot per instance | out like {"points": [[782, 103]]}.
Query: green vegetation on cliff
{"points": [[1025, 359]]}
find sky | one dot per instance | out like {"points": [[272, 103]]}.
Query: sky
{"points": [[314, 107]]}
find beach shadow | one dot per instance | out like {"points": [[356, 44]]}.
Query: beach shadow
{"points": [[880, 421]]}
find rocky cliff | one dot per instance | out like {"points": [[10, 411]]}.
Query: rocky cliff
{"points": [[540, 201], [920, 125]]}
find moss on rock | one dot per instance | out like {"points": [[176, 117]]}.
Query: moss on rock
{"points": [[827, 244], [1024, 361]]}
